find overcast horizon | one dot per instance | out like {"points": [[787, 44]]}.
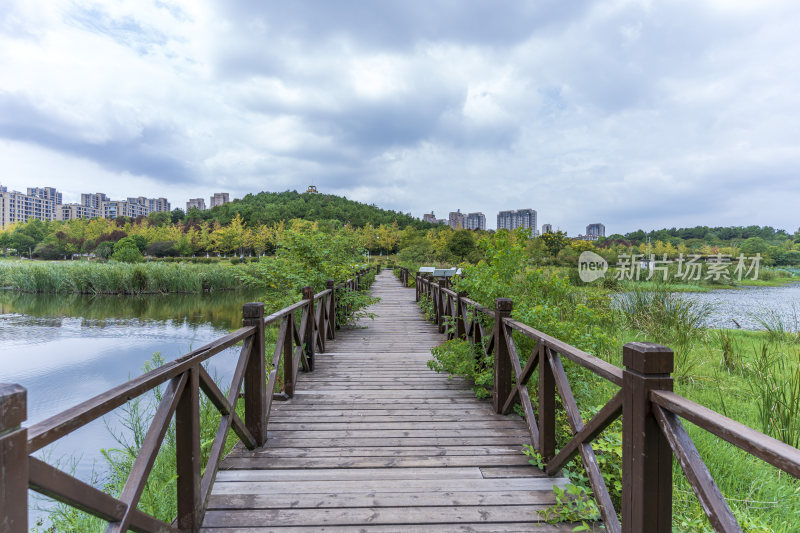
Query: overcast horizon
{"points": [[636, 114]]}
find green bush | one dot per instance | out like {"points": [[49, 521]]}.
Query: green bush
{"points": [[127, 251]]}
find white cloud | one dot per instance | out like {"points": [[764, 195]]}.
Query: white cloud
{"points": [[633, 113]]}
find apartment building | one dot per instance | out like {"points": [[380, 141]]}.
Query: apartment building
{"points": [[124, 208], [45, 203], [475, 221], [46, 193], [75, 211], [220, 198], [198, 203], [95, 200], [547, 228], [595, 231], [157, 205], [38, 203], [429, 217], [455, 219], [521, 218]]}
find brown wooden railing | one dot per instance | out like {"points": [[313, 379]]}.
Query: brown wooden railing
{"points": [[651, 427], [184, 378]]}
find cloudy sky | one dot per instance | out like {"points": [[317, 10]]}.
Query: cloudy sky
{"points": [[632, 113]]}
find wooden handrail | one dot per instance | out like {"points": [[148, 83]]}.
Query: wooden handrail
{"points": [[766, 448], [51, 429], [185, 379], [650, 411]]}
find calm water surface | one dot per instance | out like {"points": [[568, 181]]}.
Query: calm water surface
{"points": [[66, 349], [743, 307]]}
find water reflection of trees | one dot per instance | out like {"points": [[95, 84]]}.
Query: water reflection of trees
{"points": [[220, 309]]}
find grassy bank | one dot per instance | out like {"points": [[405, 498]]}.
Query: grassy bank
{"points": [[752, 377], [85, 277]]}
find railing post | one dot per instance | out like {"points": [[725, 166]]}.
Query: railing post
{"points": [[417, 288], [331, 302], [461, 325], [646, 455], [255, 379], [547, 406], [308, 334], [188, 454], [288, 356], [13, 459], [378, 269], [440, 306], [502, 361]]}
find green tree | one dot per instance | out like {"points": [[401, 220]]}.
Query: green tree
{"points": [[754, 245], [159, 218], [176, 215], [554, 242], [461, 244]]}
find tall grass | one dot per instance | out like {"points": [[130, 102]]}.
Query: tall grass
{"points": [[667, 318], [779, 326], [776, 389], [117, 278]]}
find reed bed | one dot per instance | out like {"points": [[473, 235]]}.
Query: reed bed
{"points": [[117, 278]]}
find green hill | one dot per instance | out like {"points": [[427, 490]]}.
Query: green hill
{"points": [[271, 207]]}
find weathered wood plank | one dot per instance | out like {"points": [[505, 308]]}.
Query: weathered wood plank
{"points": [[385, 485], [343, 474], [428, 499], [477, 527], [370, 515], [346, 461]]}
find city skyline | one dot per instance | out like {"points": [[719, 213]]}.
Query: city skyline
{"points": [[379, 101]]}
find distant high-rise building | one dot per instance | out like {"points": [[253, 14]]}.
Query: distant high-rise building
{"points": [[429, 217], [199, 203], [220, 198], [152, 204], [95, 200], [45, 203], [46, 193], [522, 218], [475, 221], [456, 219], [105, 207], [123, 208], [75, 211], [38, 203], [547, 228], [595, 231]]}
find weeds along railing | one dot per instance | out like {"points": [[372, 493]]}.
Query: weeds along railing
{"points": [[651, 413], [184, 378]]}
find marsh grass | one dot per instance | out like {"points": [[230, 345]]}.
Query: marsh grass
{"points": [[776, 388], [780, 327], [667, 318], [84, 277], [731, 356]]}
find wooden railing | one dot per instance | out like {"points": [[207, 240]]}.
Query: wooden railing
{"points": [[651, 413], [404, 276], [183, 378]]}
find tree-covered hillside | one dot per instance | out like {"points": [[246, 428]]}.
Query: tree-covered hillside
{"points": [[272, 207]]}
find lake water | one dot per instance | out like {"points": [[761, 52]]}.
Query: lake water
{"points": [[742, 308], [66, 349]]}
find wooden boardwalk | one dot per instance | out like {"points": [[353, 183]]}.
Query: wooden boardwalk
{"points": [[375, 441]]}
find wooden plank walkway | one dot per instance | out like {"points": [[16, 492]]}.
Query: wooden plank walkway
{"points": [[375, 441]]}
